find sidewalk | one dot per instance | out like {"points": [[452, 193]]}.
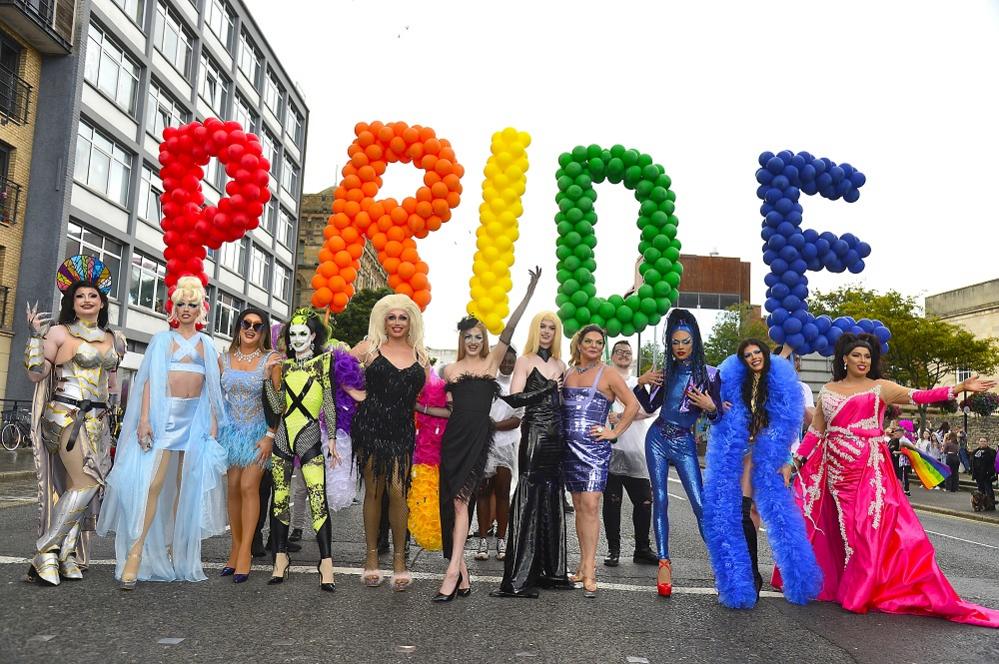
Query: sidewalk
{"points": [[953, 504], [17, 464]]}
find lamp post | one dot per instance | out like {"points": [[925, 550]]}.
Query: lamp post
{"points": [[965, 410]]}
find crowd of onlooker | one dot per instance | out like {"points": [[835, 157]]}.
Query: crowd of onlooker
{"points": [[950, 448]]}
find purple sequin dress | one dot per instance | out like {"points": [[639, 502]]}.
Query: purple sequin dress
{"points": [[586, 461]]}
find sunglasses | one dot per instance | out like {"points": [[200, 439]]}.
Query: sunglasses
{"points": [[247, 325]]}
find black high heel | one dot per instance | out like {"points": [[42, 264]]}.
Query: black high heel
{"points": [[227, 571], [464, 592], [441, 597], [328, 587], [241, 578], [275, 580]]}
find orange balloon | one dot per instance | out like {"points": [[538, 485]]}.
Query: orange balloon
{"points": [[352, 208], [362, 219], [385, 223], [420, 282], [396, 233], [351, 182], [426, 133], [394, 280], [349, 274], [338, 205], [422, 298], [391, 265], [350, 235], [373, 152], [404, 289], [327, 269], [366, 173], [355, 195], [359, 127], [340, 301], [318, 281], [440, 208], [342, 259], [385, 134], [365, 138], [393, 248], [336, 243], [433, 223], [410, 135], [422, 267], [369, 189], [337, 284], [432, 146], [325, 255], [378, 241], [398, 145], [415, 151], [406, 270], [359, 159], [431, 178], [452, 181], [424, 209], [428, 161], [322, 297], [453, 199], [439, 190], [409, 254], [355, 251]]}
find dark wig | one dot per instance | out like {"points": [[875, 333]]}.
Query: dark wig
{"points": [[846, 344], [66, 313], [757, 407], [681, 318], [265, 331], [315, 325]]}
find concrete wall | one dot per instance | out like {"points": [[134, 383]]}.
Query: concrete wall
{"points": [[965, 301]]}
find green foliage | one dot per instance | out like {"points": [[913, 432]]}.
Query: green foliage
{"points": [[351, 325], [735, 324], [650, 356]]}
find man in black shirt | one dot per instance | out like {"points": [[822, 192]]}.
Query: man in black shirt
{"points": [[983, 469]]}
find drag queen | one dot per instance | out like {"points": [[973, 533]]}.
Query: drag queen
{"points": [[300, 391], [587, 396], [868, 541], [166, 492], [536, 550], [384, 432], [471, 386], [748, 461], [73, 364], [684, 389], [247, 438]]}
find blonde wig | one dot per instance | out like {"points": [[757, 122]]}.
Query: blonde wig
{"points": [[189, 289], [484, 350], [534, 334], [577, 339], [414, 337]]}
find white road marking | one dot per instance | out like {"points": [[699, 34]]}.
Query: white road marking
{"points": [[357, 571], [673, 495], [960, 539]]}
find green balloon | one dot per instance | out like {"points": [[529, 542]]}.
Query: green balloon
{"points": [[639, 320], [661, 289], [615, 168], [616, 300], [651, 254], [633, 302], [582, 252], [671, 195], [643, 268], [579, 153], [658, 194], [574, 191], [672, 253], [617, 150], [678, 268], [590, 289], [564, 159], [669, 231], [597, 167], [584, 180], [564, 227], [645, 291], [646, 208], [570, 285], [565, 203], [567, 311], [624, 313], [660, 219], [564, 182], [597, 319], [652, 275], [644, 160], [589, 263], [660, 242], [585, 204], [563, 276], [664, 181], [582, 315], [583, 276], [669, 207], [561, 299], [613, 327], [664, 265], [654, 319], [673, 279], [632, 175], [630, 158], [571, 263], [574, 169], [648, 304], [570, 325], [643, 188], [606, 309], [649, 172], [663, 303], [593, 151], [572, 238], [627, 329], [650, 232], [574, 215], [590, 216], [590, 241], [643, 246], [562, 252]]}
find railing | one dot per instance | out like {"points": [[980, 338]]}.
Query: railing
{"points": [[15, 97], [55, 17], [10, 201], [4, 293]]}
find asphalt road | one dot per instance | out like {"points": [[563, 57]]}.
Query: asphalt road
{"points": [[216, 621]]}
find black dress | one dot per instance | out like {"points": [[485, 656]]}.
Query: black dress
{"points": [[465, 445], [383, 429], [536, 548]]}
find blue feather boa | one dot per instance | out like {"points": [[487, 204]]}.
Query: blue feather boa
{"points": [[723, 495]]}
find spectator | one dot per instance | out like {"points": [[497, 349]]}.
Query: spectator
{"points": [[983, 469], [962, 441], [953, 461], [899, 461]]}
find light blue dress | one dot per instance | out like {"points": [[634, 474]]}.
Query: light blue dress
{"points": [[193, 483], [244, 404]]}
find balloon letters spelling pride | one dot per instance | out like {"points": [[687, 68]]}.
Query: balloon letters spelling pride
{"points": [[389, 225], [577, 297], [189, 227], [502, 189], [790, 251]]}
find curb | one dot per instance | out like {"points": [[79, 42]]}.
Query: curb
{"points": [[16, 475], [971, 516]]}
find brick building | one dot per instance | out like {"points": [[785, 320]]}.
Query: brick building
{"points": [[316, 211]]}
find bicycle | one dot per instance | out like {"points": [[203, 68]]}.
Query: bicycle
{"points": [[15, 430]]}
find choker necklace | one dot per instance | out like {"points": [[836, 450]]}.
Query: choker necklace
{"points": [[545, 354], [582, 370], [246, 357], [86, 331]]}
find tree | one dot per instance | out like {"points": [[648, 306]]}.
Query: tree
{"points": [[735, 324], [923, 349], [351, 325], [650, 355]]}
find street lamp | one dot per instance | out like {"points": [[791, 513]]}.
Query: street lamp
{"points": [[965, 410]]}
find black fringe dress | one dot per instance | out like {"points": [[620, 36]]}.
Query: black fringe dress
{"points": [[465, 445], [384, 429]]}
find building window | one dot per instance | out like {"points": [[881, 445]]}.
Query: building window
{"points": [[215, 174], [286, 228], [227, 309], [214, 86], [289, 176], [269, 152], [963, 375], [268, 220], [273, 93], [83, 240], [102, 164], [135, 9], [150, 190], [172, 39], [249, 59], [260, 268], [282, 282], [219, 20], [147, 289], [242, 114], [232, 256], [293, 125], [109, 69], [162, 111]]}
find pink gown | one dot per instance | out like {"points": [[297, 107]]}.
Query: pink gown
{"points": [[873, 551]]}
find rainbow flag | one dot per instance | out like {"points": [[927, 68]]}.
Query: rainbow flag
{"points": [[929, 471]]}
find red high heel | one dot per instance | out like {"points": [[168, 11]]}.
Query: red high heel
{"points": [[665, 589]]}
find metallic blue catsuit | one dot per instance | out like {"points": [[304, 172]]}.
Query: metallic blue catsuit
{"points": [[671, 440]]}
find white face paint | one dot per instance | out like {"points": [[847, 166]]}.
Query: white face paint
{"points": [[300, 338]]}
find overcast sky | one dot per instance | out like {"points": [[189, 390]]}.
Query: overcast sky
{"points": [[904, 91]]}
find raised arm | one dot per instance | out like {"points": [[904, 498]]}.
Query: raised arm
{"points": [[893, 393], [506, 336], [43, 344]]}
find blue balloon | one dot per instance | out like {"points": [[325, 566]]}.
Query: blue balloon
{"points": [[772, 195], [780, 291], [802, 315], [786, 155], [779, 316], [767, 233], [840, 247], [866, 324], [796, 240], [856, 329], [851, 258], [810, 331], [822, 246], [794, 216], [784, 205], [821, 344], [863, 249], [791, 303], [763, 176], [777, 265], [807, 173], [786, 228], [772, 304], [801, 290], [811, 235], [857, 267], [842, 324], [798, 160], [798, 266], [777, 334], [882, 333], [884, 348], [771, 279], [791, 172], [775, 165], [810, 187], [823, 323], [765, 157], [775, 241], [809, 252], [837, 174], [781, 182], [774, 219], [834, 334], [791, 278], [858, 179], [788, 253], [851, 196], [824, 181], [792, 325], [796, 340], [769, 256]]}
